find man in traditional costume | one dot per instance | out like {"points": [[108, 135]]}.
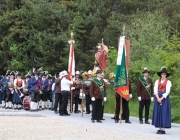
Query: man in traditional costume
{"points": [[65, 91], [162, 109], [87, 76], [35, 90], [98, 96], [5, 88], [58, 93], [25, 86], [43, 96], [1, 91], [49, 92], [145, 89], [125, 106], [76, 91]]}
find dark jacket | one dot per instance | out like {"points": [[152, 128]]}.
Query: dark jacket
{"points": [[142, 91], [33, 83], [95, 91], [58, 85]]}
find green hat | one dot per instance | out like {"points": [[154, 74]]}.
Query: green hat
{"points": [[98, 71]]}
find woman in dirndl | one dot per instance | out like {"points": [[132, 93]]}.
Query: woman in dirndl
{"points": [[162, 109], [18, 92]]}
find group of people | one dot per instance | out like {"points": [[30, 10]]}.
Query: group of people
{"points": [[48, 94]]}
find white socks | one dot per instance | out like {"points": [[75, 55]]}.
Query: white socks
{"points": [[3, 103], [10, 104], [7, 104], [50, 104], [162, 129], [42, 104], [31, 105]]}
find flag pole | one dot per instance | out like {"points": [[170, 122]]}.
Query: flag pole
{"points": [[121, 96], [70, 88], [82, 103]]}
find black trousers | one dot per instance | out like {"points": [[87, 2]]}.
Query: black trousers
{"points": [[49, 96], [88, 102], [64, 99], [44, 96], [97, 109], [4, 95], [76, 99], [57, 100], [8, 96], [143, 103], [125, 108], [35, 96]]}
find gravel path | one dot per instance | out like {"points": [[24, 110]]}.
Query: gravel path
{"points": [[45, 125], [47, 128]]}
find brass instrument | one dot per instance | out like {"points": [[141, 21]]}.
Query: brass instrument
{"points": [[4, 84], [10, 84]]}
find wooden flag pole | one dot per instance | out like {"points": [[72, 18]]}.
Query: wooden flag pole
{"points": [[120, 109], [82, 103], [71, 101]]}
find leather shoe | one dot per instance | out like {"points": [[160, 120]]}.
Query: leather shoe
{"points": [[87, 113], [141, 121], [99, 121], [76, 112], [160, 132], [93, 121], [127, 121], [116, 121], [67, 114], [55, 112], [146, 122], [102, 119], [113, 117]]}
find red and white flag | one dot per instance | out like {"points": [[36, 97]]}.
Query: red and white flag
{"points": [[71, 65]]}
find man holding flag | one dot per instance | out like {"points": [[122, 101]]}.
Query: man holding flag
{"points": [[121, 82]]}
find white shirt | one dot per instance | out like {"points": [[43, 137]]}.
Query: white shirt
{"points": [[53, 86], [65, 84], [15, 82], [168, 88]]}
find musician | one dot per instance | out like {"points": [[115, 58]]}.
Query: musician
{"points": [[5, 88], [145, 89], [25, 86], [1, 91], [76, 91], [49, 92], [36, 88], [11, 88], [98, 96], [43, 97], [58, 93], [65, 91], [87, 76], [18, 91]]}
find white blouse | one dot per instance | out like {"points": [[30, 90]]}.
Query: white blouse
{"points": [[168, 88]]}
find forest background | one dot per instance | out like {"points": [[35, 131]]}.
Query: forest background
{"points": [[35, 33]]}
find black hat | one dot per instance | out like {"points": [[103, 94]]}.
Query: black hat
{"points": [[27, 76], [145, 70], [37, 73], [163, 70], [12, 73], [18, 74], [49, 76], [8, 72], [98, 71]]}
